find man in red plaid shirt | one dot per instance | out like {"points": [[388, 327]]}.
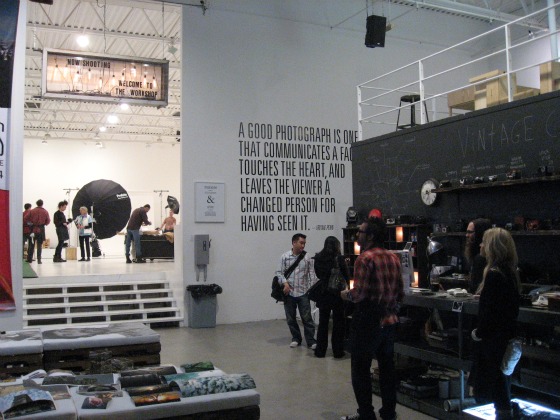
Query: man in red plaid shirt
{"points": [[377, 291]]}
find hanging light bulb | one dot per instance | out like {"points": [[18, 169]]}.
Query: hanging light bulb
{"points": [[100, 83], [89, 75], [145, 82], [113, 81], [154, 83], [82, 40], [122, 76], [65, 71], [133, 71], [56, 72], [77, 77]]}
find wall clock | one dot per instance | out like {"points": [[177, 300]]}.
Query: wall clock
{"points": [[426, 192]]}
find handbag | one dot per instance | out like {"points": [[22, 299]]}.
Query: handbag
{"points": [[511, 356], [336, 282], [277, 290], [316, 291]]}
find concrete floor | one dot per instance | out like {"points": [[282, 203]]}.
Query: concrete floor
{"points": [[293, 383]]}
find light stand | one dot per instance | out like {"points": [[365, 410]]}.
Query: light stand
{"points": [[69, 209], [161, 202]]}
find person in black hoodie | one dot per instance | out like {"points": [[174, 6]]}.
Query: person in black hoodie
{"points": [[329, 302]]}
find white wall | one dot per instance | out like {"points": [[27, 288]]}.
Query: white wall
{"points": [[49, 169], [12, 320], [240, 68]]}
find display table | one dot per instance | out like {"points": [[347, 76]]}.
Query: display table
{"points": [[233, 405], [228, 406], [69, 348], [21, 352]]}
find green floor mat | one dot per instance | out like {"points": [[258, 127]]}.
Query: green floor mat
{"points": [[28, 272]]}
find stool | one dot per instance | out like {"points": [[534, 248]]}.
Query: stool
{"points": [[411, 99]]}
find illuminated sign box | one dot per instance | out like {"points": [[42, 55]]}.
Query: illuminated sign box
{"points": [[95, 77]]}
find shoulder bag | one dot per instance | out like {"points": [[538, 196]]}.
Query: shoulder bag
{"points": [[277, 290]]}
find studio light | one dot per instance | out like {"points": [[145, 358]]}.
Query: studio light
{"points": [[124, 106], [433, 246]]}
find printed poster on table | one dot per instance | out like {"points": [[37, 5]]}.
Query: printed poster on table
{"points": [[8, 29]]}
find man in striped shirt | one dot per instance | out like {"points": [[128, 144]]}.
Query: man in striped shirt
{"points": [[377, 291], [295, 288]]}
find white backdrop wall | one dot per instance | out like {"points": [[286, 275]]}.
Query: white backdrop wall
{"points": [[49, 169], [238, 69]]}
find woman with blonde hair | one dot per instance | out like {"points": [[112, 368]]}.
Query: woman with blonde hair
{"points": [[84, 223], [497, 315]]}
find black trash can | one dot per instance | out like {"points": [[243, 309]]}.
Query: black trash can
{"points": [[201, 305]]}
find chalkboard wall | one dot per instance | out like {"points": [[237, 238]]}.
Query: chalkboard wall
{"points": [[388, 171]]}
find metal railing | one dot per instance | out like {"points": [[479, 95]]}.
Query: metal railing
{"points": [[433, 88]]}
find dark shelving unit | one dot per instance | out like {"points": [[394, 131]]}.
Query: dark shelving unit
{"points": [[538, 370]]}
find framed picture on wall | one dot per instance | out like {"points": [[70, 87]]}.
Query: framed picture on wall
{"points": [[209, 202]]}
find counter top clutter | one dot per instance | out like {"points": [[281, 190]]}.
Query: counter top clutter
{"points": [[434, 335], [148, 393]]}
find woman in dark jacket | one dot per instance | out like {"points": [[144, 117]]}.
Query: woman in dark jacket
{"points": [[329, 302], [497, 315]]}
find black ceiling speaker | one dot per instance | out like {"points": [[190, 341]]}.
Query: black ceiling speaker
{"points": [[375, 31]]}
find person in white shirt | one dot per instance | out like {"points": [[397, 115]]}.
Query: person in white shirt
{"points": [[295, 289]]}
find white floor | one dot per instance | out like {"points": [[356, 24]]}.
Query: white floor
{"points": [[108, 265]]}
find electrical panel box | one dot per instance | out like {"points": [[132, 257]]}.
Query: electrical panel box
{"points": [[201, 249]]}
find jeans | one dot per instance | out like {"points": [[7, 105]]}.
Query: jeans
{"points": [[29, 240], [39, 241], [84, 246], [301, 303], [336, 305], [370, 340], [133, 235]]}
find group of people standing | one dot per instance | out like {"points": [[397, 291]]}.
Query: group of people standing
{"points": [[35, 220], [377, 294]]}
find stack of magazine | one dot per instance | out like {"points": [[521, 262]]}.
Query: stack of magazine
{"points": [[147, 386]]}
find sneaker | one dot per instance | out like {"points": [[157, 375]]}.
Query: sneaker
{"points": [[294, 344], [313, 346], [351, 417], [128, 260]]}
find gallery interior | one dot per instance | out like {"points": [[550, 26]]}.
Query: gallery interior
{"points": [[261, 120]]}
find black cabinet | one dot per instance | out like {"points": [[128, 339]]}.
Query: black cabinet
{"points": [[398, 236], [538, 370], [528, 206]]}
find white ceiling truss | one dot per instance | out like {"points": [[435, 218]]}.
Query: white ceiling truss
{"points": [[151, 29], [122, 28]]}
